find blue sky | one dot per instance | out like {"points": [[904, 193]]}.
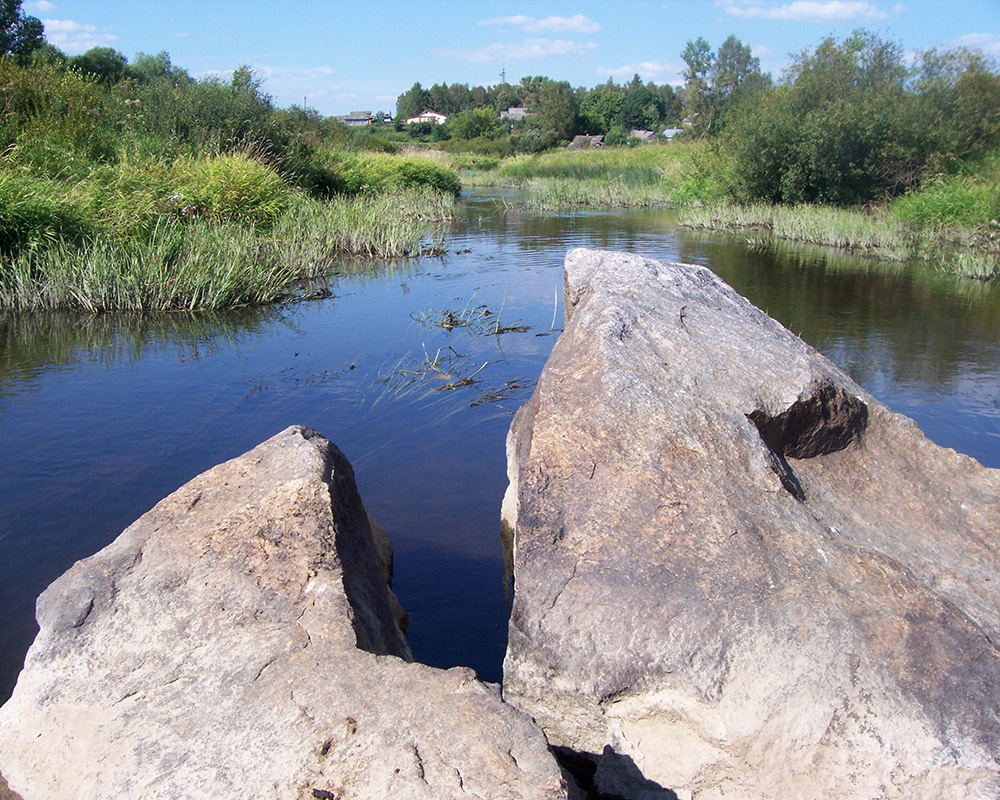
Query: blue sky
{"points": [[343, 55]]}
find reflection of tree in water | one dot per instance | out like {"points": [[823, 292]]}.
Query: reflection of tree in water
{"points": [[31, 342], [927, 327], [511, 225]]}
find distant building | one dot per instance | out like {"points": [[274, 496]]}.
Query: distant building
{"points": [[428, 116], [358, 118], [646, 136], [515, 113], [670, 133], [587, 142]]}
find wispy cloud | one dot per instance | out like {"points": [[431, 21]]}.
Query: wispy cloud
{"points": [[805, 10], [574, 24], [987, 42], [39, 6], [75, 37], [525, 50], [276, 74], [649, 70]]}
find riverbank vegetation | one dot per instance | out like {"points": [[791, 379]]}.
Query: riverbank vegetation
{"points": [[131, 185], [623, 177], [135, 187], [852, 148]]}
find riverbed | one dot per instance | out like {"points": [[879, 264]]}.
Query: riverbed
{"points": [[414, 370]]}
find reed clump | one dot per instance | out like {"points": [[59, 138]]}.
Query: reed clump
{"points": [[198, 263], [970, 252]]}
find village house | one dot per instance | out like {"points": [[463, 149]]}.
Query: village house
{"points": [[515, 113], [428, 116], [586, 142], [358, 118]]}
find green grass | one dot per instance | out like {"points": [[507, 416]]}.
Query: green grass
{"points": [[966, 199], [201, 264], [878, 233], [613, 176]]}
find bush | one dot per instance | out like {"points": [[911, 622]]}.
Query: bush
{"points": [[231, 188], [367, 172], [968, 199], [832, 134], [37, 213]]}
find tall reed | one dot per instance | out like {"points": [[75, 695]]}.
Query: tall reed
{"points": [[202, 265]]}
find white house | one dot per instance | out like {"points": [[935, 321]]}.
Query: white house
{"points": [[428, 116]]}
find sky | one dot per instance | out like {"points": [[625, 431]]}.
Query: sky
{"points": [[339, 56]]}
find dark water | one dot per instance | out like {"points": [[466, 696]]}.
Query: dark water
{"points": [[102, 417]]}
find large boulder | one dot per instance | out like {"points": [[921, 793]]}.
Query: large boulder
{"points": [[240, 641], [737, 574]]}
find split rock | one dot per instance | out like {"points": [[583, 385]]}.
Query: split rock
{"points": [[737, 574], [240, 641]]}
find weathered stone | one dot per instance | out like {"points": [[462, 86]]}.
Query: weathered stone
{"points": [[5, 792], [736, 573], [238, 641]]}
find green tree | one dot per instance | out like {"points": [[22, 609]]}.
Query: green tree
{"points": [[474, 123], [641, 110], [556, 109], [20, 35], [412, 102], [833, 133], [717, 83], [957, 101], [147, 68], [606, 103], [104, 63], [735, 77], [698, 62], [441, 100]]}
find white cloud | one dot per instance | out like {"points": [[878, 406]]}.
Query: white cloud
{"points": [[75, 37], [805, 10], [273, 74], [987, 42], [526, 50], [294, 73], [574, 24], [36, 6], [648, 70]]}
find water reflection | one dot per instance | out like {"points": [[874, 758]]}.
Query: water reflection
{"points": [[103, 416]]}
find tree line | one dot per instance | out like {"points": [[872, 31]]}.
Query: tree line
{"points": [[850, 121]]}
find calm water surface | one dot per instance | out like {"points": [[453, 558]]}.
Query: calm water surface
{"points": [[102, 417]]}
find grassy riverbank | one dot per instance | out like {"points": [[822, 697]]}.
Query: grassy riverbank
{"points": [[204, 264], [178, 194], [948, 221], [615, 176]]}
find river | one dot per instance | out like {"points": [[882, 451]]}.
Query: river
{"points": [[414, 370]]}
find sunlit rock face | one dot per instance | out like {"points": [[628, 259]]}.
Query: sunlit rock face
{"points": [[240, 640], [737, 574]]}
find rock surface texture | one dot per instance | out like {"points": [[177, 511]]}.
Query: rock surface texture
{"points": [[240, 641], [738, 575]]}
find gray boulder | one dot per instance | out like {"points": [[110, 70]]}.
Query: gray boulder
{"points": [[240, 641], [737, 574]]}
